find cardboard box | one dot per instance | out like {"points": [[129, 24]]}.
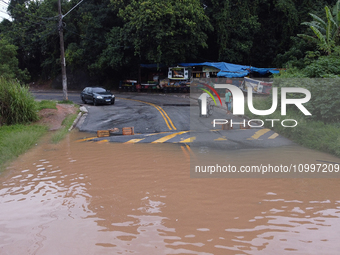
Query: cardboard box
{"points": [[128, 131], [103, 133]]}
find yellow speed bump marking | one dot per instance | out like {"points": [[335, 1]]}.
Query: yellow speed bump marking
{"points": [[156, 133], [190, 150], [103, 141], [185, 152], [86, 139], [134, 140], [168, 137], [165, 116], [259, 133], [273, 136], [189, 140], [221, 139]]}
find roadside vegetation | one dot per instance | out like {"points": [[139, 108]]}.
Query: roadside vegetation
{"points": [[17, 110], [62, 132], [108, 39], [319, 72], [310, 132], [18, 113], [46, 104], [65, 102], [17, 139], [17, 105]]}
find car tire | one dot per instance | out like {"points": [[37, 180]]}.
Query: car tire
{"points": [[113, 101], [95, 102], [82, 99]]}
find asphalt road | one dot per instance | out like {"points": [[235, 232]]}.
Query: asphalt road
{"points": [[148, 114], [167, 118]]}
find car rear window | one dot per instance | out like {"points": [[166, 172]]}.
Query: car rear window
{"points": [[96, 90]]}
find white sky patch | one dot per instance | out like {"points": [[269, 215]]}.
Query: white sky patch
{"points": [[3, 10]]}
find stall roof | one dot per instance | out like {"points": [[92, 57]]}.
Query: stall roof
{"points": [[233, 70]]}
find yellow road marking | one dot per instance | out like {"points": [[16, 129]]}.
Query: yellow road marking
{"points": [[185, 152], [221, 139], [165, 116], [168, 137], [259, 133], [135, 140], [189, 140], [86, 139], [160, 108], [156, 133], [273, 136], [103, 141], [191, 152]]}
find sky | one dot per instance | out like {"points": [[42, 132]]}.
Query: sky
{"points": [[3, 10]]}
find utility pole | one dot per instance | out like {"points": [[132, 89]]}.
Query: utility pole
{"points": [[62, 52]]}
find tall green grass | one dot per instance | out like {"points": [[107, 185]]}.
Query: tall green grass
{"points": [[310, 133], [17, 105], [17, 139]]}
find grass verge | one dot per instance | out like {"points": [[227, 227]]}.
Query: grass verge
{"points": [[309, 133], [46, 104], [65, 102], [17, 139], [66, 124]]}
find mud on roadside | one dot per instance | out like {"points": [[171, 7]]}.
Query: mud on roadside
{"points": [[53, 118]]}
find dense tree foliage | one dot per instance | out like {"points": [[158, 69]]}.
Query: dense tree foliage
{"points": [[164, 31], [9, 68], [326, 32], [108, 38]]}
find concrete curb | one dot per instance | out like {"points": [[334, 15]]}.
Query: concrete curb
{"points": [[75, 121], [83, 111]]}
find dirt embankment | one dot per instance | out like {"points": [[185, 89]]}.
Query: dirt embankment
{"points": [[54, 117]]}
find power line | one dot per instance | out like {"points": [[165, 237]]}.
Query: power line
{"points": [[4, 12], [72, 8]]}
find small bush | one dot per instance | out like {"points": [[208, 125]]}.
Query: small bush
{"points": [[17, 105]]}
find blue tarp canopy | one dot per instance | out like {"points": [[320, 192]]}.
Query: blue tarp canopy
{"points": [[226, 67], [263, 71], [232, 70], [233, 74]]}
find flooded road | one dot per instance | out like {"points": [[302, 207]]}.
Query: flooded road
{"points": [[111, 198]]}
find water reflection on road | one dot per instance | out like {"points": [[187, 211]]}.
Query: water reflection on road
{"points": [[106, 198]]}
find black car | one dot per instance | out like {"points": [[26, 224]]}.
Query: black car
{"points": [[97, 95]]}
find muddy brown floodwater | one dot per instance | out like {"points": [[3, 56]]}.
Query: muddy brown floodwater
{"points": [[107, 198]]}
